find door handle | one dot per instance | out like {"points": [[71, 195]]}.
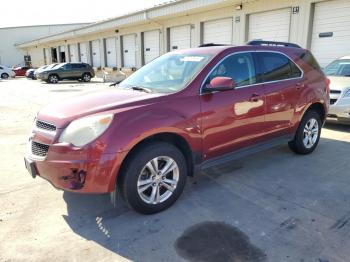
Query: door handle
{"points": [[254, 98]]}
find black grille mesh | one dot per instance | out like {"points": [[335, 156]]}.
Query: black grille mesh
{"points": [[46, 126], [39, 149]]}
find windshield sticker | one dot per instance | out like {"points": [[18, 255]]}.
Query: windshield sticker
{"points": [[192, 58]]}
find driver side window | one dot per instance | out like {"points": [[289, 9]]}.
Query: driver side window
{"points": [[239, 67]]}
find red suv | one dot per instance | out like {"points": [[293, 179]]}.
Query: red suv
{"points": [[185, 111]]}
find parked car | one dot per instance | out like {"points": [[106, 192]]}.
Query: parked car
{"points": [[6, 72], [185, 111], [67, 71], [41, 69], [21, 71], [339, 74], [30, 73]]}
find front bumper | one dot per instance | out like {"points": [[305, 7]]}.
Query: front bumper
{"points": [[83, 170], [340, 111], [42, 77]]}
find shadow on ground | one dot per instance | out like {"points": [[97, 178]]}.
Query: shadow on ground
{"points": [[271, 206]]}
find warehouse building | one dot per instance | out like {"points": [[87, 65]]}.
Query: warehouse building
{"points": [[10, 55], [133, 40]]}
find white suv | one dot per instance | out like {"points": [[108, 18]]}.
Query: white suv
{"points": [[338, 73], [6, 72]]}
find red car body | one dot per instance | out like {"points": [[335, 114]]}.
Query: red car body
{"points": [[20, 71], [205, 126]]}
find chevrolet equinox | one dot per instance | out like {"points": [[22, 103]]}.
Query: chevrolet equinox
{"points": [[184, 111]]}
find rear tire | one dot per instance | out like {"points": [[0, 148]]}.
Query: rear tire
{"points": [[308, 134], [86, 77], [4, 76], [153, 178]]}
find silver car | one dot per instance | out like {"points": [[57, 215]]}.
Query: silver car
{"points": [[338, 73]]}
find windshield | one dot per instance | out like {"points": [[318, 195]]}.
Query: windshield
{"points": [[338, 68], [168, 73]]}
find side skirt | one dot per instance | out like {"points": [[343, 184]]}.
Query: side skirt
{"points": [[241, 153]]}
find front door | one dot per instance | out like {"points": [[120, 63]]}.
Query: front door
{"points": [[233, 119]]}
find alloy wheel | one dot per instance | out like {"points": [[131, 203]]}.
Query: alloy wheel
{"points": [[158, 180], [4, 76], [54, 79], [311, 133], [87, 78]]}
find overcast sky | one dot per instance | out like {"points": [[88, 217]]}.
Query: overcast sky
{"points": [[38, 12]]}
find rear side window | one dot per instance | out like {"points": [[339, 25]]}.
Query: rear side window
{"points": [[308, 58], [275, 67], [240, 67]]}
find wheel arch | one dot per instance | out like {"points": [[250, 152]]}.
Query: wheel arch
{"points": [[318, 107], [168, 137]]}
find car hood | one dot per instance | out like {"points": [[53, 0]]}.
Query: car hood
{"points": [[63, 112], [339, 83]]}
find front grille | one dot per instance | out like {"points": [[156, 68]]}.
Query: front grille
{"points": [[335, 91], [333, 101], [39, 149], [45, 125]]}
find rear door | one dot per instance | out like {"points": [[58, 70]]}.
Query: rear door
{"points": [[233, 119], [282, 83]]}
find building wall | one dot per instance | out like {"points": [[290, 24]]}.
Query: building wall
{"points": [[300, 25], [10, 55]]}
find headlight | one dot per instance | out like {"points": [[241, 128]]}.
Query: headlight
{"points": [[347, 93], [84, 130]]}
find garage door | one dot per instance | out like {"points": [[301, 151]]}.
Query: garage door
{"points": [[211, 34], [151, 45], [331, 31], [96, 53], [73, 50], [111, 51], [180, 37], [84, 52], [129, 51], [271, 25]]}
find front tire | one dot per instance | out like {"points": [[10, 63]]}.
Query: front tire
{"points": [[53, 79], [153, 178], [308, 134], [4, 76]]}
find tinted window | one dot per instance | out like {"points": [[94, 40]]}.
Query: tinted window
{"points": [[78, 66], [310, 60], [1, 67], [276, 67], [240, 67], [67, 67]]}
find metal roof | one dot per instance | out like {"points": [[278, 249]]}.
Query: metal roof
{"points": [[141, 16]]}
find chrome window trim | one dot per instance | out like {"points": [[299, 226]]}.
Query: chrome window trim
{"points": [[261, 83]]}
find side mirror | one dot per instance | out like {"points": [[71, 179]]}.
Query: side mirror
{"points": [[220, 84]]}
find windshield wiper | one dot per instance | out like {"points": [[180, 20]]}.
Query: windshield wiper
{"points": [[141, 88]]}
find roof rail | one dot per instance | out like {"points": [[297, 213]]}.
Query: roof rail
{"points": [[211, 44], [272, 43]]}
